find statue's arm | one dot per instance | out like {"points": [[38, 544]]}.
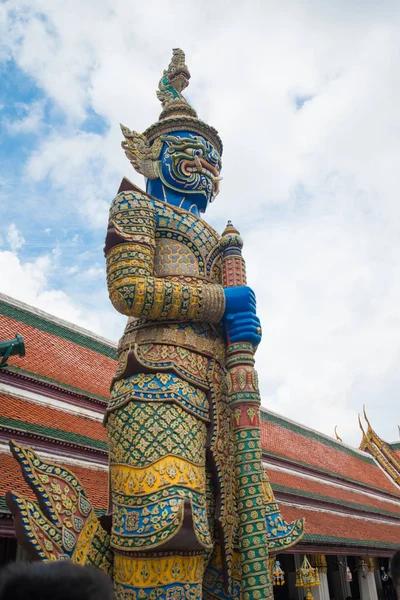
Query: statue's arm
{"points": [[133, 288]]}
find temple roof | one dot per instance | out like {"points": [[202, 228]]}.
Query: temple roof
{"points": [[297, 444], [58, 352], [53, 400], [383, 452]]}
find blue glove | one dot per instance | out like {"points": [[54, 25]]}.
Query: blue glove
{"points": [[240, 321]]}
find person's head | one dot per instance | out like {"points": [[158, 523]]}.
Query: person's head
{"points": [[395, 571], [61, 580]]}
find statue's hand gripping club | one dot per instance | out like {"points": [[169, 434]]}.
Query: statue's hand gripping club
{"points": [[240, 318]]}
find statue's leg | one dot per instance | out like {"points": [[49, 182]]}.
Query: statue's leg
{"points": [[213, 583], [160, 531]]}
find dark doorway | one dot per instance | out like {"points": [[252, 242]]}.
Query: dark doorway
{"points": [[352, 562]]}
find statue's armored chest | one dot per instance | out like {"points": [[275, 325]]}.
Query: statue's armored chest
{"points": [[185, 246]]}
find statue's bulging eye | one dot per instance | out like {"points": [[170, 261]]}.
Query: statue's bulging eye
{"points": [[192, 152]]}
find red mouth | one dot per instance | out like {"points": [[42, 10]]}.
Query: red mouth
{"points": [[189, 166]]}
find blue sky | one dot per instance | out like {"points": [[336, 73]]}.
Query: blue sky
{"points": [[305, 97]]}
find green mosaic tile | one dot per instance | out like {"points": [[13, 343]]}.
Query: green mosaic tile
{"points": [[327, 539]]}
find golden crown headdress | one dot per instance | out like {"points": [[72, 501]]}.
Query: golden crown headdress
{"points": [[143, 149]]}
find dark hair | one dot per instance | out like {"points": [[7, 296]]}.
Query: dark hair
{"points": [[395, 568], [61, 580]]}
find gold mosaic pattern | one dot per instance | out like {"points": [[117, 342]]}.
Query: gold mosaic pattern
{"points": [[207, 342], [165, 472], [174, 258], [145, 572]]}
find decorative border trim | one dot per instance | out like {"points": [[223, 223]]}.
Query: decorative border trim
{"points": [[53, 384]]}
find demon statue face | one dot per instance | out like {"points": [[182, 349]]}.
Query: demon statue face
{"points": [[190, 165], [179, 155]]}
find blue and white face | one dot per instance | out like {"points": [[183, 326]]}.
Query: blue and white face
{"points": [[189, 164]]}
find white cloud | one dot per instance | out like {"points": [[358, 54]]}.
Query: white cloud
{"points": [[75, 166], [314, 191], [72, 270], [98, 273], [30, 282], [15, 238], [30, 121]]}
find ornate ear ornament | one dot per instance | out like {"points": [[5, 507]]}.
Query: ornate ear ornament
{"points": [[141, 155], [143, 149]]}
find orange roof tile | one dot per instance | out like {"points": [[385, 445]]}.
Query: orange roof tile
{"points": [[303, 446], [94, 482], [59, 359], [288, 483], [334, 528], [29, 412]]}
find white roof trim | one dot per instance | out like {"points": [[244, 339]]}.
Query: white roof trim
{"points": [[59, 458], [15, 392]]}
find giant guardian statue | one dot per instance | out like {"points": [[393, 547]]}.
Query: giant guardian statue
{"points": [[192, 514]]}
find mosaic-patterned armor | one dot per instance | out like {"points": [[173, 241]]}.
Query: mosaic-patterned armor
{"points": [[164, 269]]}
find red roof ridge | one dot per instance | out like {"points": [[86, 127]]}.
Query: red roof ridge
{"points": [[370, 517], [330, 439], [323, 479]]}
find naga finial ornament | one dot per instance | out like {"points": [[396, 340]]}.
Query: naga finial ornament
{"points": [[339, 439], [174, 80]]}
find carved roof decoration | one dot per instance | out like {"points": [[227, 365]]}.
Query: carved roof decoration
{"points": [[380, 450]]}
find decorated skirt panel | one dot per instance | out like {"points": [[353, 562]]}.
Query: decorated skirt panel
{"points": [[163, 388], [176, 577], [189, 365], [222, 454], [157, 468]]}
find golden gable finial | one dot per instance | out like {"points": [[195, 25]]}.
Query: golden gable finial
{"points": [[337, 435]]}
